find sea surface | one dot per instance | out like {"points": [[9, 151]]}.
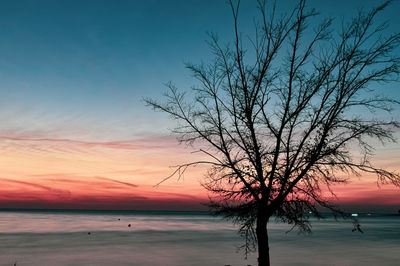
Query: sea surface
{"points": [[185, 238]]}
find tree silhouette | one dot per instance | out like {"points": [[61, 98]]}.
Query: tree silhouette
{"points": [[285, 114]]}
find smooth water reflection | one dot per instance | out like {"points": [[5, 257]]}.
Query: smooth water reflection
{"points": [[62, 238]]}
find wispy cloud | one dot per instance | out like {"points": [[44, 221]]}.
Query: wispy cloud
{"points": [[34, 185], [116, 181], [81, 181], [137, 144]]}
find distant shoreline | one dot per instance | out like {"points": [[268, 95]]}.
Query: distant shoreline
{"points": [[149, 212], [86, 211]]}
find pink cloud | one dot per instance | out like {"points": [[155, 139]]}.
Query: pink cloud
{"points": [[138, 144], [116, 181], [35, 185]]}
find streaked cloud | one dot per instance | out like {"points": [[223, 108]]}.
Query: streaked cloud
{"points": [[34, 185], [156, 142]]}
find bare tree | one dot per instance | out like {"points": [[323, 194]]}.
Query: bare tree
{"points": [[281, 115]]}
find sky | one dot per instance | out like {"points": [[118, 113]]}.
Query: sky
{"points": [[74, 129]]}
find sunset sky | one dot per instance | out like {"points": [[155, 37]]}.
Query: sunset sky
{"points": [[74, 130]]}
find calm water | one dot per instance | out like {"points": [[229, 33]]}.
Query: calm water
{"points": [[168, 238]]}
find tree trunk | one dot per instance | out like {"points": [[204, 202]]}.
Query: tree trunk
{"points": [[262, 239]]}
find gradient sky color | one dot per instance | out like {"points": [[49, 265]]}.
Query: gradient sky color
{"points": [[74, 131]]}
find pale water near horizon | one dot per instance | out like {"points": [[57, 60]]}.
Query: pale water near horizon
{"points": [[184, 238]]}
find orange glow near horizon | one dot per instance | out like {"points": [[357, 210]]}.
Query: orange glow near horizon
{"points": [[57, 174], [72, 174]]}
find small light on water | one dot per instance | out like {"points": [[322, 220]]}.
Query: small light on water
{"points": [[354, 214]]}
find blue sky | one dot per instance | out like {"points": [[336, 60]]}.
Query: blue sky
{"points": [[91, 62]]}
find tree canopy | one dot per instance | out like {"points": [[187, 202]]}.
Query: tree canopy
{"points": [[284, 114]]}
